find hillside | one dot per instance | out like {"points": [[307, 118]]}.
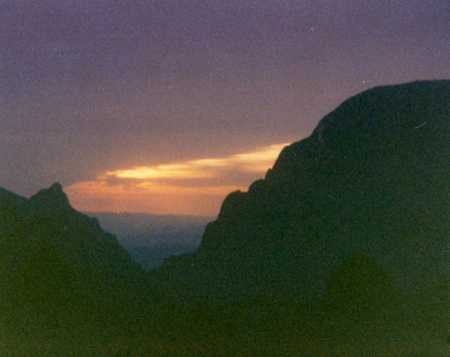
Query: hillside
{"points": [[342, 249], [62, 276], [373, 178]]}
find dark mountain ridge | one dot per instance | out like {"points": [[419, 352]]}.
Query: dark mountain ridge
{"points": [[373, 177], [52, 199], [9, 199], [60, 272], [342, 249], [48, 215]]}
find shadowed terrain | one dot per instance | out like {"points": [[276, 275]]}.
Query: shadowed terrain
{"points": [[372, 178], [341, 250]]}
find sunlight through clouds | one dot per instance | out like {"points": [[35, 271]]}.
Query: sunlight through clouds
{"points": [[255, 161], [186, 187]]}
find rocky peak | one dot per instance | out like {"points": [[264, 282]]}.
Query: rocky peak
{"points": [[403, 107], [52, 198]]}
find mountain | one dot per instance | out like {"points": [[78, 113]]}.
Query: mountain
{"points": [[150, 238], [78, 239], [61, 274], [341, 250], [9, 200], [372, 178]]}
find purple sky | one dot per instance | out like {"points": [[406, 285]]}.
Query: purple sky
{"points": [[90, 86]]}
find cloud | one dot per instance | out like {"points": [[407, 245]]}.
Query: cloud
{"points": [[256, 161], [185, 187]]}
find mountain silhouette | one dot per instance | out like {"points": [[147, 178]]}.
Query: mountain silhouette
{"points": [[373, 177], [10, 200], [78, 238], [341, 249], [60, 272], [51, 199]]}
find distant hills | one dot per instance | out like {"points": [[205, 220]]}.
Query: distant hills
{"points": [[150, 238], [342, 249]]}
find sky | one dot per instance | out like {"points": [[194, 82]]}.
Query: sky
{"points": [[166, 106]]}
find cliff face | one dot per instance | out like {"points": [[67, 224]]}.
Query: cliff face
{"points": [[373, 177]]}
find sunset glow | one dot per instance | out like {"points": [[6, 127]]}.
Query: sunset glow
{"points": [[255, 161], [188, 187]]}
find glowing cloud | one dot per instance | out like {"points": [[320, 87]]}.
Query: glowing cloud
{"points": [[186, 187], [159, 172], [255, 161]]}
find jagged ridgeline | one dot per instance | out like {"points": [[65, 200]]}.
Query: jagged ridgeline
{"points": [[59, 271], [345, 244], [372, 179]]}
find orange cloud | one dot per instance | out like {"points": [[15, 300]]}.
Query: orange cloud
{"points": [[186, 187], [255, 161]]}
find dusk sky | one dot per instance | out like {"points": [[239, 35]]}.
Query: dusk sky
{"points": [[166, 106]]}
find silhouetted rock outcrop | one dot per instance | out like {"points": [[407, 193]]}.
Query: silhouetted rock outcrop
{"points": [[58, 267], [51, 199], [372, 177]]}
